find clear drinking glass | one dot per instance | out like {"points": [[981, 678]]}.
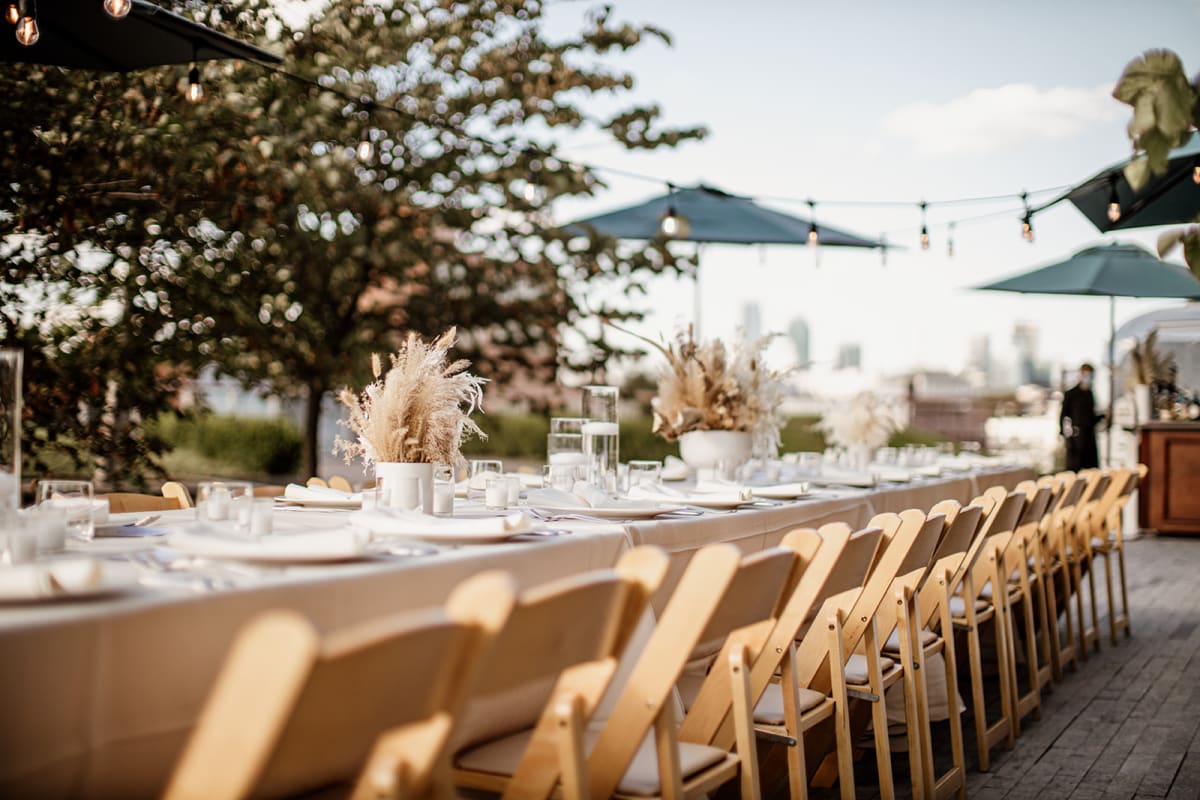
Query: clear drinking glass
{"points": [[644, 472], [222, 500], [18, 538], [600, 403], [600, 448], [11, 361], [74, 499], [560, 476], [443, 490], [495, 496]]}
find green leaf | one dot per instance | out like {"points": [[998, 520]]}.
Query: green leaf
{"points": [[1168, 241]]}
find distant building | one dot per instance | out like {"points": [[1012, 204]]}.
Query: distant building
{"points": [[849, 356], [752, 321], [1029, 369], [799, 334]]}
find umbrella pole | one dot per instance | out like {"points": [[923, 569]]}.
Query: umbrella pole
{"points": [[1112, 376]]}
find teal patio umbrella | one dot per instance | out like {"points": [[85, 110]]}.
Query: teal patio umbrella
{"points": [[1112, 271], [707, 215], [1166, 199]]}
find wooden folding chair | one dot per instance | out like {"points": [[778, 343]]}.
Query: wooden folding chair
{"points": [[122, 502], [179, 492], [1021, 578], [719, 597], [1079, 555], [317, 482], [969, 609], [853, 625], [1109, 542], [834, 561], [955, 553], [293, 711], [341, 484], [1037, 565], [1093, 532], [570, 633], [1057, 571]]}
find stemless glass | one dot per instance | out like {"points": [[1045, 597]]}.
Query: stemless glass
{"points": [[443, 490], [479, 470], [221, 500], [564, 443], [644, 472], [74, 499]]}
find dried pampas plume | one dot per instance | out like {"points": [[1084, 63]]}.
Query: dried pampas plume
{"points": [[418, 411]]}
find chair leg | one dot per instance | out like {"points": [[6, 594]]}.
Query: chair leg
{"points": [[1094, 631], [1077, 580], [743, 711], [879, 722], [797, 769], [955, 717], [1053, 640], [975, 663], [1124, 591], [913, 677], [1112, 606], [1007, 665]]}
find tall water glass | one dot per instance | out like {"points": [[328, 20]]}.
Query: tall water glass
{"points": [[11, 361], [564, 443], [600, 403], [74, 499], [600, 434]]}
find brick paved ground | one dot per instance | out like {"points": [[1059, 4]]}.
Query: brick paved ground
{"points": [[1126, 724]]}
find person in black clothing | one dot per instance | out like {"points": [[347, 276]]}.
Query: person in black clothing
{"points": [[1077, 422]]}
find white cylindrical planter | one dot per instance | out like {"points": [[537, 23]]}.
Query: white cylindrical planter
{"points": [[408, 486], [1141, 403], [704, 450]]}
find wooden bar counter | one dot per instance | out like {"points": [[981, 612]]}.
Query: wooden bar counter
{"points": [[1169, 500]]}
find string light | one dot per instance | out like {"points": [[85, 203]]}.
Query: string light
{"points": [[950, 240], [813, 236], [1196, 173], [530, 190], [1114, 202], [27, 27], [924, 228], [12, 14], [1027, 220], [366, 148], [118, 9], [195, 92]]}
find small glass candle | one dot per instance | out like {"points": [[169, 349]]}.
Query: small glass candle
{"points": [[514, 489], [495, 496], [261, 509]]}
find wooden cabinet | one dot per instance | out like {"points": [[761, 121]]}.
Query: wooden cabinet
{"points": [[1169, 499]]}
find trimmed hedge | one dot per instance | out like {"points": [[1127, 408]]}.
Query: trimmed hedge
{"points": [[258, 446]]}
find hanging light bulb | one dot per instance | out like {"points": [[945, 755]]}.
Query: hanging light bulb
{"points": [[366, 148], [195, 92], [1196, 174], [950, 241], [1027, 228], [1114, 203], [12, 14], [118, 9], [814, 238], [924, 228], [673, 224], [529, 191], [27, 27]]}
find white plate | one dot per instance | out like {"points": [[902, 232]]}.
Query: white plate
{"points": [[779, 492], [639, 512], [305, 548], [285, 501], [719, 503], [114, 578]]}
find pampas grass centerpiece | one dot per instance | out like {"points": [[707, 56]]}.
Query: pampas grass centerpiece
{"points": [[419, 411]]}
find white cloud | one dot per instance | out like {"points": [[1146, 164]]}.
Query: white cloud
{"points": [[1003, 118]]}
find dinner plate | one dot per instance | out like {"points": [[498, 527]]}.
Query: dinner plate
{"points": [[331, 503], [719, 503], [636, 512], [30, 583], [783, 492], [278, 548]]}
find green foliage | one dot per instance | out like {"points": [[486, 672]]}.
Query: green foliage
{"points": [[142, 237], [254, 446], [1166, 110]]}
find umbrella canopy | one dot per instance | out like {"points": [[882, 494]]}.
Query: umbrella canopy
{"points": [[1114, 270], [715, 217], [81, 34], [1165, 200]]}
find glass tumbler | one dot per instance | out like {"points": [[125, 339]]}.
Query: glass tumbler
{"points": [[74, 500]]}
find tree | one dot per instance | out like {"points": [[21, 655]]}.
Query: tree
{"points": [[1166, 111], [272, 251]]}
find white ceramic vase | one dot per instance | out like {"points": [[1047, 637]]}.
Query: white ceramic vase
{"points": [[1143, 410], [407, 486], [704, 450]]}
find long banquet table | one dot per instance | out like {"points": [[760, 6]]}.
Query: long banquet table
{"points": [[99, 696]]}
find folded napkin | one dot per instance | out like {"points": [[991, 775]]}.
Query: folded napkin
{"points": [[584, 496], [780, 490], [295, 491], [843, 477], [56, 579], [714, 493], [217, 541], [393, 522], [891, 474], [674, 469]]}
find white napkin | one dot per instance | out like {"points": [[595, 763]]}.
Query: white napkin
{"points": [[891, 474], [295, 491], [778, 490], [833, 475], [721, 494], [584, 496], [394, 522], [674, 469], [51, 579], [215, 541]]}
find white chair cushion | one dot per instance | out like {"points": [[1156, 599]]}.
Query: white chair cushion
{"points": [[501, 756], [856, 669], [769, 710], [958, 607], [892, 645]]}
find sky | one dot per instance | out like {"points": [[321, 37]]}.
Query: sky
{"points": [[881, 100]]}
